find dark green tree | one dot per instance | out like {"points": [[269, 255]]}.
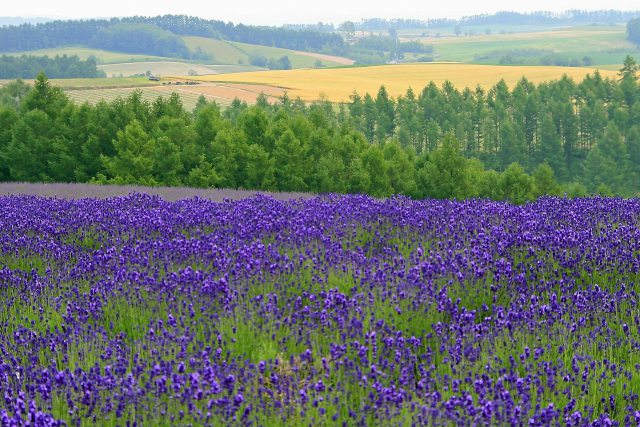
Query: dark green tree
{"points": [[633, 31], [444, 174], [27, 154], [288, 157], [515, 185], [608, 163], [544, 181], [376, 168], [260, 169], [133, 160]]}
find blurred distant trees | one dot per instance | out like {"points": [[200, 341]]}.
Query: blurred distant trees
{"points": [[58, 67], [633, 30]]}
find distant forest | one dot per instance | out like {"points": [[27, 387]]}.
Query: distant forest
{"points": [[506, 144], [59, 67], [570, 17]]}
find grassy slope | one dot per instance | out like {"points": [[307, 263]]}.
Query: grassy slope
{"points": [[297, 60], [222, 52], [226, 52], [338, 83]]}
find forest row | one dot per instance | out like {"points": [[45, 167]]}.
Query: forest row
{"points": [[517, 144]]}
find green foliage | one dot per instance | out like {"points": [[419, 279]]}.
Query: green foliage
{"points": [[444, 175], [260, 169], [133, 160], [59, 67], [633, 30], [515, 185], [633, 150], [203, 175], [608, 163], [550, 147], [279, 64], [161, 34], [544, 181], [576, 189], [140, 38], [288, 157], [12, 93], [27, 153], [376, 169], [629, 69]]}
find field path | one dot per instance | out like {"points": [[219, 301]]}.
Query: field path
{"points": [[338, 59], [82, 191]]}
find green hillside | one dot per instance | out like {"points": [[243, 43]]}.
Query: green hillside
{"points": [[220, 51], [298, 59], [227, 52]]}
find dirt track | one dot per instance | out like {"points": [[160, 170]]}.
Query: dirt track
{"points": [[80, 191]]}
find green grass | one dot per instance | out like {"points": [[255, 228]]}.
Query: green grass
{"points": [[297, 60], [222, 52], [227, 52]]}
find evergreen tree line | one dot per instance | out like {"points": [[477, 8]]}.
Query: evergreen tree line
{"points": [[515, 144], [58, 67]]}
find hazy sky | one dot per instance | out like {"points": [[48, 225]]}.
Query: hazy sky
{"points": [[276, 12]]}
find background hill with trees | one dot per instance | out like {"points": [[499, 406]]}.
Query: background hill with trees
{"points": [[162, 30]]}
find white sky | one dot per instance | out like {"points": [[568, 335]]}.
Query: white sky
{"points": [[277, 12]]}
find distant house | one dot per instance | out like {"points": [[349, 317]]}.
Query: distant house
{"points": [[154, 78]]}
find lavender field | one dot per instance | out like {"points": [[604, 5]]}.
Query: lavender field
{"points": [[336, 310]]}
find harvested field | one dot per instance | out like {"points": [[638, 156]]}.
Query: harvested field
{"points": [[82, 191], [170, 68], [226, 93], [328, 58], [223, 94], [150, 94], [339, 83]]}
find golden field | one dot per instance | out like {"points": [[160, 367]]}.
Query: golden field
{"points": [[336, 84]]}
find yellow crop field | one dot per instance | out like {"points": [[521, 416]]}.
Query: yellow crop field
{"points": [[336, 84]]}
